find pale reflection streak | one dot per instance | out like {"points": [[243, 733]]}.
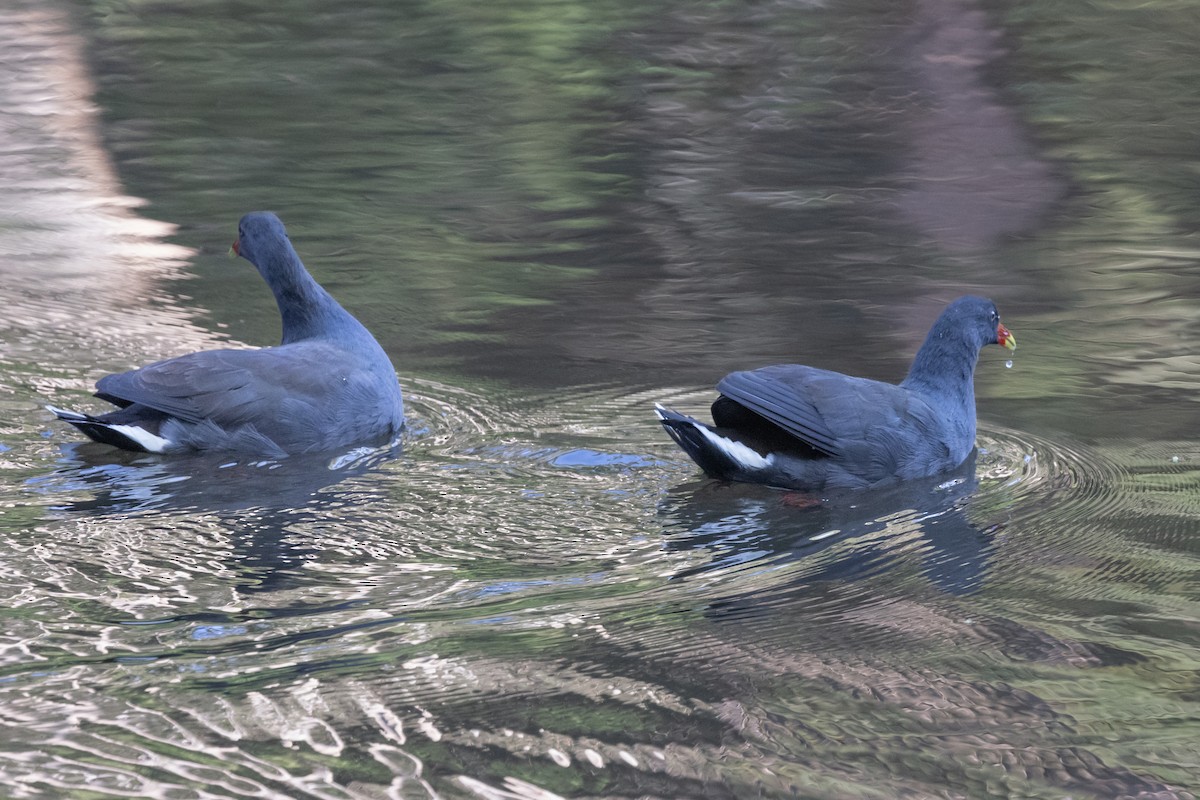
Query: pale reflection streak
{"points": [[81, 270], [82, 292]]}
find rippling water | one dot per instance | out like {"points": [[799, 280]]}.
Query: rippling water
{"points": [[554, 215]]}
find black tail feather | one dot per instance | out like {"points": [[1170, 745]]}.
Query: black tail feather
{"points": [[97, 430], [104, 434], [686, 432]]}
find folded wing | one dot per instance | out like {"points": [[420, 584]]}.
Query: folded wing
{"points": [[229, 387], [831, 412]]}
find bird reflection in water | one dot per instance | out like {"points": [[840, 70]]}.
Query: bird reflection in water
{"points": [[843, 537], [260, 504]]}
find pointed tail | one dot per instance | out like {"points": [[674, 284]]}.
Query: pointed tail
{"points": [[127, 437], [716, 454]]}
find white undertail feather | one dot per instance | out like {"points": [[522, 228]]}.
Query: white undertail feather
{"points": [[746, 457], [150, 442]]}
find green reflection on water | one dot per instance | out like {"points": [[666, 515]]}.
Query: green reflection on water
{"points": [[419, 134]]}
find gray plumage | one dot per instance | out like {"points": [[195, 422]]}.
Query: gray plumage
{"points": [[800, 427], [327, 385]]}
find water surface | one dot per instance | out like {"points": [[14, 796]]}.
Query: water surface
{"points": [[553, 215]]}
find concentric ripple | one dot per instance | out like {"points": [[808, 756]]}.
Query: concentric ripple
{"points": [[1013, 478], [557, 551]]}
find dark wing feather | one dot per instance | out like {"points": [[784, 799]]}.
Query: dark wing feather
{"points": [[782, 395], [231, 387], [192, 388]]}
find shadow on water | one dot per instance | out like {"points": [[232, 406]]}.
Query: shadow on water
{"points": [[841, 537]]}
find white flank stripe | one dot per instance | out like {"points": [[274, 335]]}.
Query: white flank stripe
{"points": [[745, 456], [152, 443]]}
